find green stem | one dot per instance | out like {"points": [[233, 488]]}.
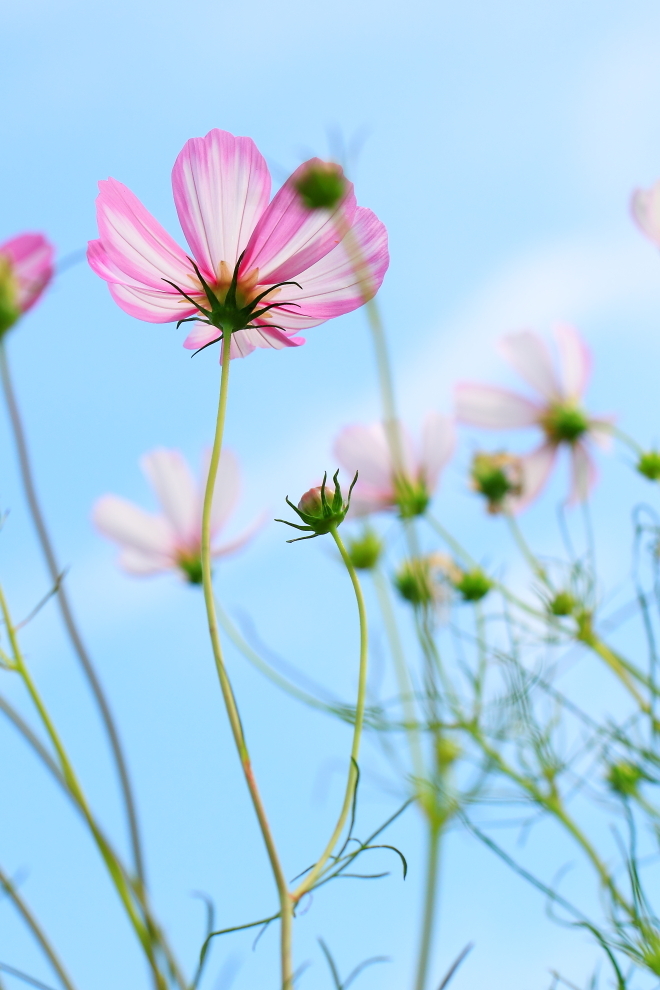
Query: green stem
{"points": [[535, 565], [430, 905], [67, 615], [286, 907], [349, 795], [620, 667], [402, 674], [36, 930], [117, 875]]}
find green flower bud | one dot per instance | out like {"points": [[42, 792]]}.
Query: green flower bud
{"points": [[9, 312], [473, 585], [624, 777], [191, 567], [649, 465], [497, 477], [446, 752], [319, 511], [412, 497], [414, 582], [563, 603], [564, 423], [321, 186], [365, 551]]}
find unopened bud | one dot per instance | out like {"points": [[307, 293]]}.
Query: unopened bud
{"points": [[497, 477], [321, 185], [649, 465], [320, 511], [563, 603], [414, 582], [412, 497], [473, 585], [364, 551], [624, 777], [446, 752]]}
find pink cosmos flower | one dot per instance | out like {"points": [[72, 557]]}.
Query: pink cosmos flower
{"points": [[645, 208], [171, 540], [245, 251], [26, 268], [557, 409], [366, 449]]}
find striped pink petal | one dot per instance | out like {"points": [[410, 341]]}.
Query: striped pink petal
{"points": [[136, 244], [130, 526], [527, 352], [574, 361], [221, 187], [289, 238], [31, 260], [139, 563], [493, 408], [344, 279]]}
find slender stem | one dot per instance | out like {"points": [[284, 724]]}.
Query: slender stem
{"points": [[620, 667], [286, 907], [117, 874], [430, 904], [402, 674], [36, 930], [527, 553], [67, 615], [349, 795]]}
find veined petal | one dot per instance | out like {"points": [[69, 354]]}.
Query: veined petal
{"points": [[583, 473], [574, 361], [366, 500], [645, 208], [221, 187], [527, 352], [132, 527], [536, 468], [175, 488], [289, 238], [438, 440], [31, 259], [344, 279], [162, 305], [243, 342], [494, 408], [136, 243]]}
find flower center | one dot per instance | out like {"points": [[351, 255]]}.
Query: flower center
{"points": [[564, 423]]}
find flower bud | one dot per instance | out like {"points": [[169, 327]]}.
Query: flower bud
{"points": [[412, 497], [365, 551], [649, 465], [446, 752], [9, 311], [414, 582], [319, 511], [321, 185], [497, 477], [473, 585], [563, 603], [624, 777]]}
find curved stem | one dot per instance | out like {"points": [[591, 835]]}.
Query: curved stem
{"points": [[286, 907], [351, 783], [36, 930], [67, 615], [430, 904], [533, 562], [117, 875]]}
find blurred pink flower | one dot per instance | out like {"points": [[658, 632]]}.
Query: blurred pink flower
{"points": [[221, 186], [366, 449], [26, 268], [171, 540], [645, 208], [557, 410]]}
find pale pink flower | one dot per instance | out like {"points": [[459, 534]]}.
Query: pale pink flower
{"points": [[367, 450], [171, 540], [557, 409], [221, 186], [645, 208], [26, 268]]}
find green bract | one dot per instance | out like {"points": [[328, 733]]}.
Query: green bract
{"points": [[564, 423], [9, 312], [563, 603], [624, 777], [412, 497], [192, 568], [414, 582], [473, 585], [496, 476], [319, 513]]}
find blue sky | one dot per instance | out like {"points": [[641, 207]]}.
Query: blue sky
{"points": [[499, 142]]}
